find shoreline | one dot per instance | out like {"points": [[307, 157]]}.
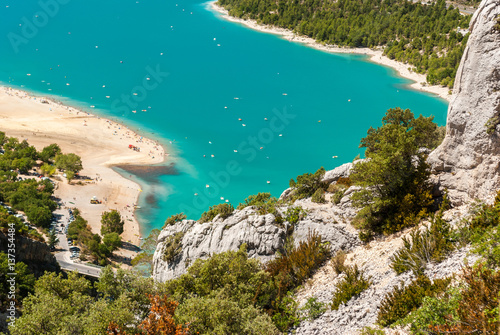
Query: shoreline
{"points": [[375, 56], [100, 142]]}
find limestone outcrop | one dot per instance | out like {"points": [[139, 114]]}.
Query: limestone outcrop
{"points": [[467, 163], [261, 233]]}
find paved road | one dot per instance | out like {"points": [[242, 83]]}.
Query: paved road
{"points": [[63, 254]]}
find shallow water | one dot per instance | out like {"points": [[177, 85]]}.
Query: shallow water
{"points": [[197, 64]]}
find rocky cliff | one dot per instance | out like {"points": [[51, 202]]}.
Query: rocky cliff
{"points": [[36, 255], [467, 163], [180, 244]]}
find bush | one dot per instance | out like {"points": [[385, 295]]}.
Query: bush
{"points": [[319, 196], [294, 214], [404, 300], [430, 245], [478, 308], [174, 219], [219, 315], [291, 268], [173, 247], [435, 312], [350, 286], [396, 191], [225, 210], [308, 183], [313, 308], [338, 262]]}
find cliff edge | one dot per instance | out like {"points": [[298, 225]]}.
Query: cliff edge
{"points": [[467, 163]]}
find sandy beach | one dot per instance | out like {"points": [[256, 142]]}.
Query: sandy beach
{"points": [[101, 143], [376, 56]]}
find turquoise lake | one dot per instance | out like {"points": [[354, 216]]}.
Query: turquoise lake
{"points": [[317, 105]]}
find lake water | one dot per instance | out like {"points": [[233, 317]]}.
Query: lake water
{"points": [[190, 76]]}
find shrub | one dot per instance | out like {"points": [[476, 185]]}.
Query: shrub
{"points": [[430, 245], [319, 196], [338, 262], [404, 300], [346, 182], [396, 191], [291, 268], [491, 124], [225, 210], [308, 183], [286, 313], [371, 331], [173, 247], [478, 308], [257, 200], [350, 286], [294, 214], [313, 308], [337, 196], [435, 312], [174, 219]]}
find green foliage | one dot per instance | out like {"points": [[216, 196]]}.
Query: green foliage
{"points": [[350, 286], [47, 169], [111, 222], [112, 241], [425, 246], [294, 214], [173, 247], [318, 196], [338, 262], [31, 197], [174, 219], [48, 153], [423, 36], [313, 308], [224, 210], [143, 262], [396, 192], [491, 124], [308, 183], [53, 239], [70, 306], [404, 300], [68, 162], [100, 250], [221, 315], [291, 268], [497, 25], [24, 281], [286, 313], [258, 200], [482, 231], [436, 310], [371, 331]]}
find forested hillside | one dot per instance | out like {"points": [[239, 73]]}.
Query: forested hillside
{"points": [[425, 36]]}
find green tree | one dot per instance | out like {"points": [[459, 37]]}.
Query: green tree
{"points": [[112, 241], [66, 306], [53, 239], [25, 281], [47, 169], [48, 153], [143, 262], [68, 162], [111, 222], [395, 188]]}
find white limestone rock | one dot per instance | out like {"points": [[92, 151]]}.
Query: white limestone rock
{"points": [[467, 163]]}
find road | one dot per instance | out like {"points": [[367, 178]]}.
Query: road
{"points": [[63, 254]]}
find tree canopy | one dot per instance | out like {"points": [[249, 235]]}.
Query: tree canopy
{"points": [[396, 190]]}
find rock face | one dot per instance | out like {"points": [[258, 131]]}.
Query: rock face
{"points": [[262, 235], [36, 255], [467, 163]]}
